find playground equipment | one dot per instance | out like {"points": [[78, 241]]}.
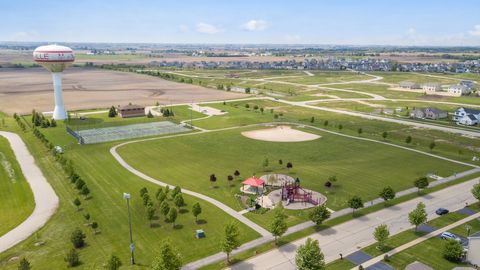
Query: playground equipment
{"points": [[293, 192]]}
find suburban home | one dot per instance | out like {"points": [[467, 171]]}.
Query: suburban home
{"points": [[417, 113], [434, 113], [458, 90], [432, 87], [409, 85], [466, 116], [130, 111], [429, 113], [469, 84]]}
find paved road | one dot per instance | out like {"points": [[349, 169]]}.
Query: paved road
{"points": [[222, 206], [418, 240], [46, 201], [350, 236]]}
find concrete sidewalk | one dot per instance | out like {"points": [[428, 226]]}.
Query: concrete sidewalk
{"points": [[46, 201], [418, 241]]}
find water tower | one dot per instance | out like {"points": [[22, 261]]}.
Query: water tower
{"points": [[55, 58]]}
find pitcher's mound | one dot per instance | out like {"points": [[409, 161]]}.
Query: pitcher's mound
{"points": [[280, 134]]}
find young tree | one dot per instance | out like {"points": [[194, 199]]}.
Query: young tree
{"points": [[280, 162], [247, 106], [113, 263], [236, 173], [255, 107], [476, 191], [289, 165], [72, 258], [85, 191], [279, 224], [77, 203], [143, 191], [112, 112], [408, 139], [262, 110], [325, 123], [167, 259], [164, 208], [150, 214], [418, 215], [161, 196], [453, 251], [230, 239], [229, 179], [387, 194], [432, 145], [355, 203], [421, 183], [196, 210], [24, 264], [265, 163], [87, 217], [78, 238], [178, 200], [213, 179], [309, 256], [319, 214], [79, 184], [145, 199], [176, 190], [340, 127], [53, 123], [172, 216], [384, 135], [381, 234], [149, 114], [360, 131], [94, 227]]}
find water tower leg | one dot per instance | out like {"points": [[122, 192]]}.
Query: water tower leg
{"points": [[59, 112]]}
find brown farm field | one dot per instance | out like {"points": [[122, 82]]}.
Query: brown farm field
{"points": [[21, 90]]}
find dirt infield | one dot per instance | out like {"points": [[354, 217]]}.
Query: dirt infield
{"points": [[21, 90], [280, 134]]}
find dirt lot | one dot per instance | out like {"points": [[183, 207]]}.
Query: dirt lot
{"points": [[21, 90]]}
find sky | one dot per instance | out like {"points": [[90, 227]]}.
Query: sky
{"points": [[339, 22]]}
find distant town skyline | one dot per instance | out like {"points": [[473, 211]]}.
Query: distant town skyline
{"points": [[342, 22]]}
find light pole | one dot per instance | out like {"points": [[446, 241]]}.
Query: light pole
{"points": [[126, 196]]}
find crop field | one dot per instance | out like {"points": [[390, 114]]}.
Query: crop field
{"points": [[359, 165], [16, 198]]}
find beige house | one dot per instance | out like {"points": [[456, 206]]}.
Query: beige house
{"points": [[431, 88]]}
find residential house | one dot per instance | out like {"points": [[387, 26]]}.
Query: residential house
{"points": [[409, 85], [417, 113], [466, 116], [458, 90], [468, 84], [434, 113], [430, 88]]}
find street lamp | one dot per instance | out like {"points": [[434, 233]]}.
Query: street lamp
{"points": [[126, 196]]}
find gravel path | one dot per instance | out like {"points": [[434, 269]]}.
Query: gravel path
{"points": [[46, 201]]}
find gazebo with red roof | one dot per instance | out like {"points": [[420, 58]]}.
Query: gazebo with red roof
{"points": [[253, 182]]}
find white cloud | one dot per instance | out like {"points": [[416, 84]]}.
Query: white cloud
{"points": [[476, 31], [411, 31], [255, 25], [207, 28]]}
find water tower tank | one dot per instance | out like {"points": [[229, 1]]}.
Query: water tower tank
{"points": [[55, 58]]}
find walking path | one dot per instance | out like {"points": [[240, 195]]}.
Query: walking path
{"points": [[222, 206], [418, 241], [46, 201]]}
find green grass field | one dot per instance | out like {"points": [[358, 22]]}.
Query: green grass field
{"points": [[107, 181], [397, 77], [360, 166], [16, 198], [325, 77]]}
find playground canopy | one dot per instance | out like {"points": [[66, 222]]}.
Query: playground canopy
{"points": [[253, 182]]}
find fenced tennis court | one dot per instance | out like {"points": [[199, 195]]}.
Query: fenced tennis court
{"points": [[99, 135]]}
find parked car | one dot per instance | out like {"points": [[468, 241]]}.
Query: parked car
{"points": [[449, 235], [441, 211]]}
